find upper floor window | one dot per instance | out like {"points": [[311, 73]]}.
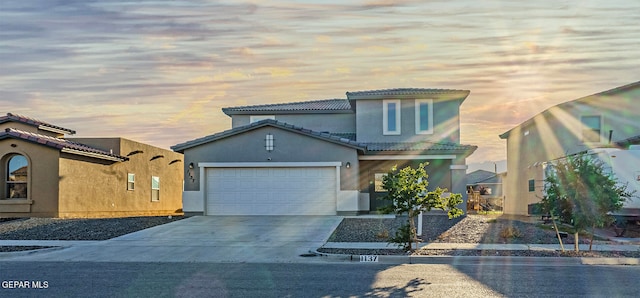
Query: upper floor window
{"points": [[591, 128], [17, 177], [391, 117], [424, 116], [261, 117]]}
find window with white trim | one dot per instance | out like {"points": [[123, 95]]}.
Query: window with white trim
{"points": [[257, 118], [391, 117], [155, 188], [591, 128], [424, 116], [131, 181], [17, 174]]}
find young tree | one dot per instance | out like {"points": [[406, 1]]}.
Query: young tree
{"points": [[408, 194], [581, 193]]}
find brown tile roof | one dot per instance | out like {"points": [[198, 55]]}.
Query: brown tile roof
{"points": [[326, 105], [60, 144], [37, 123]]}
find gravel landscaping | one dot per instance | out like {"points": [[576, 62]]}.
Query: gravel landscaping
{"points": [[469, 229], [73, 229]]}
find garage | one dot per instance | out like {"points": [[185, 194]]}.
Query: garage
{"points": [[286, 189]]}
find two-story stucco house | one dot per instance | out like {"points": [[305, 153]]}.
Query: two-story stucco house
{"points": [[48, 175], [324, 157], [606, 119]]}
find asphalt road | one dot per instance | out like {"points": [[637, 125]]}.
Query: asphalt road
{"points": [[87, 279]]}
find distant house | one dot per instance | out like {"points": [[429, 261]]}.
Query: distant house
{"points": [[487, 188], [324, 157], [47, 175], [605, 119]]}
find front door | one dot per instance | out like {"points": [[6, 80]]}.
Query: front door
{"points": [[377, 192]]}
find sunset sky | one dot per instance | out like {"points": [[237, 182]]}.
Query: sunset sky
{"points": [[160, 71]]}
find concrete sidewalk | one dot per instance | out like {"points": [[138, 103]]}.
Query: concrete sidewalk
{"points": [[475, 246]]}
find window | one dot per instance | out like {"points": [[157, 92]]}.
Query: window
{"points": [[424, 116], [261, 117], [591, 126], [155, 188], [391, 117], [17, 177], [532, 185], [131, 181], [268, 142]]}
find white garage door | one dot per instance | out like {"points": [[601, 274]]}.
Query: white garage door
{"points": [[271, 191]]}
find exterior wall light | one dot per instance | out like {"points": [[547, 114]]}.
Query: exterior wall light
{"points": [[348, 165], [191, 165]]}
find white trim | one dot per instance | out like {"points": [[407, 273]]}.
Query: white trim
{"points": [[385, 119], [91, 154], [404, 157], [256, 118], [429, 119], [267, 164], [458, 167]]}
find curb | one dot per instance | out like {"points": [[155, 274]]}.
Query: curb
{"points": [[483, 260]]}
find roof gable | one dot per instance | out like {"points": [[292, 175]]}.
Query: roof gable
{"points": [[610, 92], [269, 122], [63, 145], [316, 106], [37, 123]]}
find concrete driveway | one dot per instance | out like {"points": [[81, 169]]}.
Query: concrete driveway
{"points": [[253, 239]]}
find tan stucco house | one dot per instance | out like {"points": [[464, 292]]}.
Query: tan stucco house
{"points": [[605, 119], [48, 175]]}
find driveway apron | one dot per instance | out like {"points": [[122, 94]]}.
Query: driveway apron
{"points": [[252, 239]]}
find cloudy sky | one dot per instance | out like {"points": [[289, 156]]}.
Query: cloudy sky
{"points": [[160, 71]]}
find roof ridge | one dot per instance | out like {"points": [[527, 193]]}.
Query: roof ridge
{"points": [[59, 143], [33, 121], [286, 103]]}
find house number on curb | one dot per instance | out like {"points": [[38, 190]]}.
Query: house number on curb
{"points": [[368, 258]]}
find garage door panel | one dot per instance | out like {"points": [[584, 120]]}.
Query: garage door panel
{"points": [[271, 191]]}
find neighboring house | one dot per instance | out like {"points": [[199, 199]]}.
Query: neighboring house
{"points": [[47, 175], [487, 190], [605, 119], [324, 157]]}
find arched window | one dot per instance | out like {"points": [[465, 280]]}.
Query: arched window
{"points": [[17, 176]]}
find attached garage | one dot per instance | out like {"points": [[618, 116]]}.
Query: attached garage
{"points": [[271, 189]]}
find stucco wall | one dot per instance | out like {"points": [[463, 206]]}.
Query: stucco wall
{"points": [[42, 180], [288, 147], [557, 133], [446, 121], [91, 189], [343, 122]]}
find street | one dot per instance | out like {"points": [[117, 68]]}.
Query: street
{"points": [[110, 279]]}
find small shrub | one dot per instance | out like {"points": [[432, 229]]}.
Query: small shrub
{"points": [[384, 234], [492, 220], [510, 232]]}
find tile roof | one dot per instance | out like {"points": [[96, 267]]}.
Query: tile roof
{"points": [[419, 146], [405, 91], [60, 144], [40, 124], [268, 122], [326, 105]]}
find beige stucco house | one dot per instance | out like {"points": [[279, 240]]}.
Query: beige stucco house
{"points": [[47, 175], [605, 119]]}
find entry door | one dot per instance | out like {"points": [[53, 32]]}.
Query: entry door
{"points": [[376, 192]]}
